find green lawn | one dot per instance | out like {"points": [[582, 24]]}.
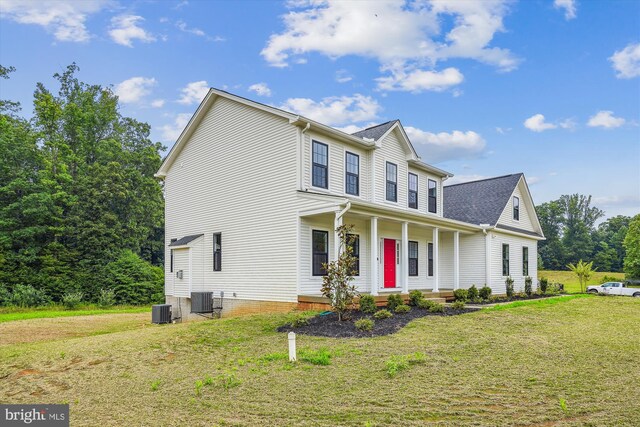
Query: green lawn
{"points": [[566, 361], [570, 281], [9, 314]]}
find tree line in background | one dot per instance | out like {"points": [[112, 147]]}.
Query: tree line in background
{"points": [[80, 210], [569, 224]]}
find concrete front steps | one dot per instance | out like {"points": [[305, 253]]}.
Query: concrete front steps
{"points": [[312, 302]]}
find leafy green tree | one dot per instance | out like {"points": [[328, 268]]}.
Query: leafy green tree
{"points": [[584, 271], [632, 247], [609, 252], [551, 250]]}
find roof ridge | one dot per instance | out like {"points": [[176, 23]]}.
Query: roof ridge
{"points": [[485, 179], [375, 126]]}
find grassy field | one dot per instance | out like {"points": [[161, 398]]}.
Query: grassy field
{"points": [[570, 281], [9, 314], [568, 361]]}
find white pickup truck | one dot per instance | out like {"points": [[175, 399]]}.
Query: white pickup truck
{"points": [[614, 288]]}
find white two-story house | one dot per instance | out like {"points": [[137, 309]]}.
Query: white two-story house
{"points": [[254, 195]]}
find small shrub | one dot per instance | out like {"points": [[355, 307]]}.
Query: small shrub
{"points": [[458, 305], [472, 292], [606, 279], [393, 301], [28, 296], [436, 307], [402, 309], [364, 324], [154, 385], [544, 283], [484, 292], [396, 364], [415, 297], [461, 294], [367, 304], [509, 286], [106, 298], [5, 296], [71, 300], [382, 314], [315, 357], [300, 321], [425, 304], [528, 286]]}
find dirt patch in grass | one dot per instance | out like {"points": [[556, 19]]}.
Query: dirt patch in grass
{"points": [[327, 325], [51, 329]]}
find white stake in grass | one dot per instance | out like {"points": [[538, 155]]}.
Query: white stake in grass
{"points": [[292, 347]]}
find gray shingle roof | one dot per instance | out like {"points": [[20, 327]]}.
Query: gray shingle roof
{"points": [[375, 132], [479, 202], [185, 240]]}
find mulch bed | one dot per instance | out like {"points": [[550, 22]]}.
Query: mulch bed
{"points": [[327, 325], [512, 299]]}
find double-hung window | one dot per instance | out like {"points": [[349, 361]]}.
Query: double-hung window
{"points": [[320, 249], [413, 191], [430, 259], [525, 261], [516, 208], [392, 182], [320, 172], [217, 252], [413, 258], [433, 196], [352, 178], [354, 243], [505, 260]]}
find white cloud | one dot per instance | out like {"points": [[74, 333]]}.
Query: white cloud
{"points": [[194, 92], [342, 76], [261, 89], [65, 19], [157, 103], [439, 147], [124, 29], [569, 7], [182, 26], [627, 61], [420, 80], [406, 38], [171, 132], [335, 110], [459, 179], [625, 200], [537, 123], [503, 131], [605, 119], [134, 89], [569, 124], [533, 180]]}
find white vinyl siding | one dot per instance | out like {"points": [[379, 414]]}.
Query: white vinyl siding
{"points": [[445, 263], [515, 261], [391, 151], [472, 260], [506, 218], [180, 263], [207, 190]]}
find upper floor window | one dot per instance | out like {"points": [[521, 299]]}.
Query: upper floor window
{"points": [[392, 182], [320, 176], [430, 259], [354, 243], [413, 258], [320, 248], [217, 252], [413, 191], [505, 260], [525, 261], [433, 196], [516, 208], [352, 178]]}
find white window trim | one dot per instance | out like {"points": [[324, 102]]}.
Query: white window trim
{"points": [[320, 189], [313, 228], [346, 150]]}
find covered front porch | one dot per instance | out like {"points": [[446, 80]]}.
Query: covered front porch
{"points": [[397, 252]]}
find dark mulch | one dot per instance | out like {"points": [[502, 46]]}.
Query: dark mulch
{"points": [[329, 326], [513, 298]]}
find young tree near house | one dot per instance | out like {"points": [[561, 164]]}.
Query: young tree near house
{"points": [[584, 271], [632, 247], [336, 285]]}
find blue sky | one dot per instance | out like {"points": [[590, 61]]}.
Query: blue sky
{"points": [[548, 88]]}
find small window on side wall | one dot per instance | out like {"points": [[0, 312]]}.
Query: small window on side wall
{"points": [[392, 182], [352, 174], [433, 196], [516, 208], [430, 259], [525, 261], [354, 243], [320, 165], [413, 191], [217, 252], [505, 260], [320, 252], [413, 258]]}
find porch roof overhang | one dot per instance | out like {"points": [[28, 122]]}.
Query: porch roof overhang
{"points": [[337, 203]]}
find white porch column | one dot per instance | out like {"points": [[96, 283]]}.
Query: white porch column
{"points": [[336, 237], [436, 260], [374, 256], [456, 260], [487, 257], [404, 258]]}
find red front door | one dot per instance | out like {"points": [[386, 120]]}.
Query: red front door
{"points": [[389, 263]]}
